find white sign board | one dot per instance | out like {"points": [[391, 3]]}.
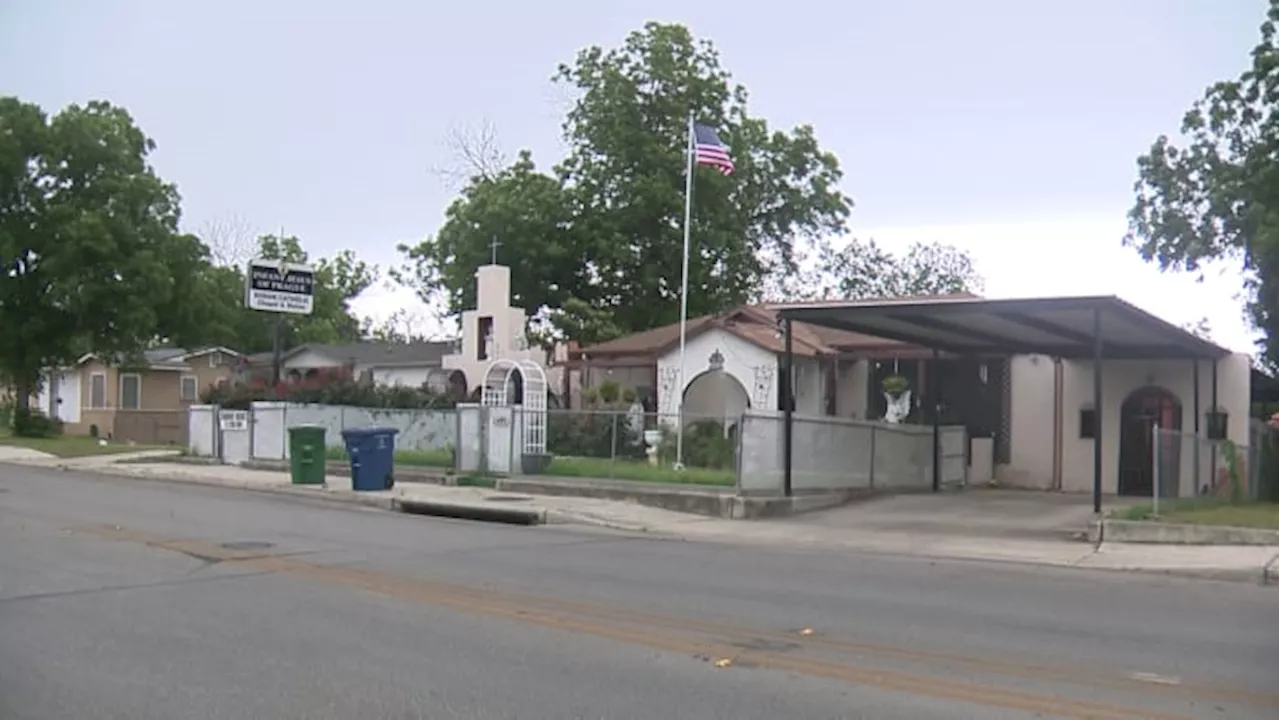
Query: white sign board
{"points": [[233, 420], [275, 286]]}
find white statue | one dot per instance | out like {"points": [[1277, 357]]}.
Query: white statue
{"points": [[897, 407], [635, 420]]}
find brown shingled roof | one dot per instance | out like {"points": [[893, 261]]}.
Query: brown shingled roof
{"points": [[756, 324]]}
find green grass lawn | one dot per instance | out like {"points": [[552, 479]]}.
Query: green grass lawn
{"points": [[637, 470], [1208, 512], [72, 446], [578, 467]]}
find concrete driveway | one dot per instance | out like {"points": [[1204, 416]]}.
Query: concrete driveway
{"points": [[976, 512]]}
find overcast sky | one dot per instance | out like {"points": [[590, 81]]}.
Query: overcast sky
{"points": [[1008, 127]]}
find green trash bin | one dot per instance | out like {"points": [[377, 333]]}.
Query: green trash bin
{"points": [[306, 454]]}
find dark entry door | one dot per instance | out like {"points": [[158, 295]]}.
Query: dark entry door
{"points": [[1144, 408]]}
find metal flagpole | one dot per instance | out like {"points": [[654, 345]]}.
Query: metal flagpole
{"points": [[684, 290]]}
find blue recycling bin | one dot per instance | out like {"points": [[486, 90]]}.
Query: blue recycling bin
{"points": [[372, 452]]}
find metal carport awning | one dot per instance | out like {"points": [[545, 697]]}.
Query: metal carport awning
{"points": [[1058, 327], [1094, 327]]}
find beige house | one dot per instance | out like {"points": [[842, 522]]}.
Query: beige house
{"points": [[144, 404]]}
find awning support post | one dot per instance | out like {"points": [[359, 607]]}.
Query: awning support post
{"points": [[1213, 409], [1098, 413], [787, 409], [1195, 425], [935, 401]]}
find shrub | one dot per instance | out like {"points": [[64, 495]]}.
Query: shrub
{"points": [[601, 430], [327, 387], [705, 446], [1268, 466], [592, 434], [35, 424]]}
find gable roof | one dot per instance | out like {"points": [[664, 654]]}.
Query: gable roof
{"points": [[213, 348], [757, 324], [169, 357], [376, 354]]}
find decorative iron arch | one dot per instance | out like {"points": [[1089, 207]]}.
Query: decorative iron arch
{"points": [[533, 398]]}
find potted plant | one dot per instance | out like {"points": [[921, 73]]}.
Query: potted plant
{"points": [[897, 395], [895, 384]]}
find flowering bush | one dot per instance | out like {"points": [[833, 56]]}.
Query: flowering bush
{"points": [[335, 386]]}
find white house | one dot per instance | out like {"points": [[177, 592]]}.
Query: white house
{"points": [[406, 364], [732, 362], [1022, 384]]}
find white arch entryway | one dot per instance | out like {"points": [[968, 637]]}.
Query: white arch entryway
{"points": [[522, 383], [715, 394]]}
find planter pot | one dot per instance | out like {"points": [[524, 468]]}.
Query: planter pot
{"points": [[535, 463]]}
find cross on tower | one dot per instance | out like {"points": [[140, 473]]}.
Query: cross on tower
{"points": [[493, 249]]}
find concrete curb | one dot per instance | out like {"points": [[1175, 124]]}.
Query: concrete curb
{"points": [[337, 468], [482, 513], [715, 502], [1160, 533], [707, 501], [319, 493], [1269, 572]]}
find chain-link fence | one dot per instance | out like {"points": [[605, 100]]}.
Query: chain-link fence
{"points": [[1264, 460], [625, 445], [1185, 466]]}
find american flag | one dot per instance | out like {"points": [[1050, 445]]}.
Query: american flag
{"points": [[709, 151]]}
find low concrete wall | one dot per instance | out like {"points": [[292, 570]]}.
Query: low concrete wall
{"points": [[1147, 531], [151, 427], [419, 429], [202, 430], [831, 454]]}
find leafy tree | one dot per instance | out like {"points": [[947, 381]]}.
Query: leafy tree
{"points": [[604, 229], [401, 327], [1200, 328], [89, 244], [864, 269], [523, 210], [339, 279], [1215, 197]]}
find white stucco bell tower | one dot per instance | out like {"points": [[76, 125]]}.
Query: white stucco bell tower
{"points": [[493, 330]]}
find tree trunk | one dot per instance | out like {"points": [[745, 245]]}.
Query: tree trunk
{"points": [[23, 391]]}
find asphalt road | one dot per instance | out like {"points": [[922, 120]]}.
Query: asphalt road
{"points": [[136, 599]]}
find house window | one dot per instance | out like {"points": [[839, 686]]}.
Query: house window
{"points": [[1216, 425], [130, 391], [189, 388], [98, 391], [214, 359], [1088, 423]]}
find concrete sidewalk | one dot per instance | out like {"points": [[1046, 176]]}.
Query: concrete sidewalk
{"points": [[1225, 562]]}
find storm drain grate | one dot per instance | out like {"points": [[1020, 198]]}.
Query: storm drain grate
{"points": [[508, 498], [248, 545]]}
